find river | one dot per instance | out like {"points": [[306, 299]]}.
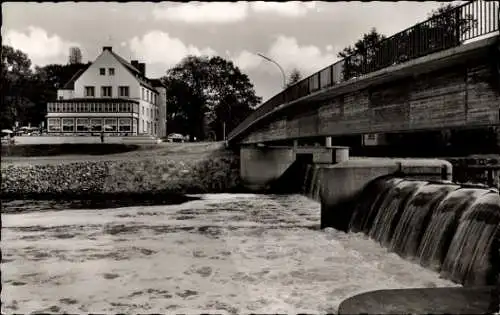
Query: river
{"points": [[224, 253]]}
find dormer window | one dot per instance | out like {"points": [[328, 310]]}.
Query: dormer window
{"points": [[111, 71], [102, 71]]}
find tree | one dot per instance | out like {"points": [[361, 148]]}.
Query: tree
{"points": [[362, 55], [16, 75], [204, 94], [444, 29], [45, 83], [295, 76]]}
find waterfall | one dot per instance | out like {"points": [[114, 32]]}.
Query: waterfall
{"points": [[366, 209], [307, 179], [390, 209], [447, 227], [442, 226], [415, 218], [467, 260]]}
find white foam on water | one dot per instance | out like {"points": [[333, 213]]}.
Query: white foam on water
{"points": [[223, 254]]}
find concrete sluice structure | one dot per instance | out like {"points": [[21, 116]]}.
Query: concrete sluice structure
{"points": [[449, 228], [409, 206]]}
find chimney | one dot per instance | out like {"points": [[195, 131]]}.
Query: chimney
{"points": [[142, 68], [107, 48]]}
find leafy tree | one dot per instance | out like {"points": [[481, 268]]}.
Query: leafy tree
{"points": [[444, 29], [16, 74], [45, 83], [362, 55], [295, 76], [205, 93]]}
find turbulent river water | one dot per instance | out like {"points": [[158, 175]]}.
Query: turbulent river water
{"points": [[224, 253]]}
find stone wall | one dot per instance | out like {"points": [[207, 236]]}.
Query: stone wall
{"points": [[218, 173]]}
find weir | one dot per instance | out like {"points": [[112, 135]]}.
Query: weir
{"points": [[450, 228], [409, 206]]}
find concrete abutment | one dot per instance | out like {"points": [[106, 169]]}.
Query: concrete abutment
{"points": [[338, 179]]}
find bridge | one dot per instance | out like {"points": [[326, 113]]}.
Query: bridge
{"points": [[443, 73]]}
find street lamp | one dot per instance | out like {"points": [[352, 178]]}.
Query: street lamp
{"points": [[277, 64]]}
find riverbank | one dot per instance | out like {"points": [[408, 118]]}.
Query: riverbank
{"points": [[169, 170]]}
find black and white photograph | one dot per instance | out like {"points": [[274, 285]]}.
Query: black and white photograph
{"points": [[258, 157]]}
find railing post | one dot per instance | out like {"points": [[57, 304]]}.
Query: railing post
{"points": [[457, 26], [332, 82]]}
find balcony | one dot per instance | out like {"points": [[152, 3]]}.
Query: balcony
{"points": [[87, 116], [86, 106]]}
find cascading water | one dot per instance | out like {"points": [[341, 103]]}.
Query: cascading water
{"points": [[468, 258], [366, 209], [443, 226], [307, 180], [415, 218], [390, 210]]}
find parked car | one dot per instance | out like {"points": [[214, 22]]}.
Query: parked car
{"points": [[175, 137]]}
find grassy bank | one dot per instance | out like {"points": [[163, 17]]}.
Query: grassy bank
{"points": [[169, 169]]}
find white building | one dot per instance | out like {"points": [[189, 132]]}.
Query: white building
{"points": [[112, 96]]}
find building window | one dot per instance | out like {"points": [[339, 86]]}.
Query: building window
{"points": [[124, 124], [102, 71], [89, 91], [82, 124], [68, 124], [54, 124], [106, 91], [110, 125], [96, 125], [111, 71], [124, 91], [61, 97], [142, 90], [154, 98]]}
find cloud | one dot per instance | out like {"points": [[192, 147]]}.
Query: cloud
{"points": [[287, 52], [204, 12], [158, 47], [229, 12], [287, 9], [307, 58], [246, 60], [41, 48]]}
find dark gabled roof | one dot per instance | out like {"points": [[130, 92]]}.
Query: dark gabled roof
{"points": [[135, 72], [157, 83], [70, 85]]}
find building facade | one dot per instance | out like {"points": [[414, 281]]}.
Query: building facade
{"points": [[75, 55], [111, 96]]}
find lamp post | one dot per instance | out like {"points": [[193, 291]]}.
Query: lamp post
{"points": [[277, 64]]}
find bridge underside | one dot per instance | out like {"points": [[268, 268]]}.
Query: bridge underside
{"points": [[455, 89]]}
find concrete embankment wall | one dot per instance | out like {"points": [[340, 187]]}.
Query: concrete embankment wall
{"points": [[217, 172]]}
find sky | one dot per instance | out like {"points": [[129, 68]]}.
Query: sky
{"points": [[302, 35]]}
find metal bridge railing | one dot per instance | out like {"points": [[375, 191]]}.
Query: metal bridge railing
{"points": [[450, 29]]}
